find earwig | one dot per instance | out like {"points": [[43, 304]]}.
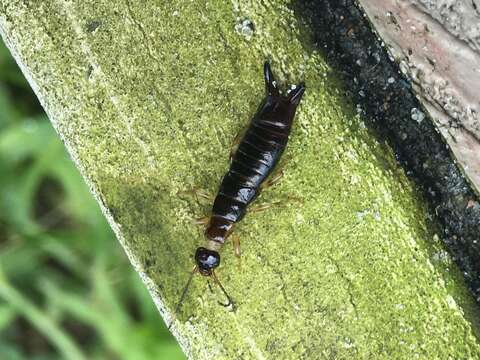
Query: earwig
{"points": [[256, 156]]}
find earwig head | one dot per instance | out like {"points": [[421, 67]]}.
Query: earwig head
{"points": [[207, 260]]}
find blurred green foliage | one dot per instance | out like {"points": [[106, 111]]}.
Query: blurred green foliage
{"points": [[67, 290]]}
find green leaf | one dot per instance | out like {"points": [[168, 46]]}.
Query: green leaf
{"points": [[9, 72], [8, 115], [28, 138], [10, 352], [7, 314]]}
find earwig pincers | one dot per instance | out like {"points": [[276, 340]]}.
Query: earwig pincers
{"points": [[256, 156]]}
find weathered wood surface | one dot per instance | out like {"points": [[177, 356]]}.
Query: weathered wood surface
{"points": [[148, 97], [437, 44]]}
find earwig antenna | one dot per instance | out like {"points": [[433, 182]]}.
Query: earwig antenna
{"points": [[230, 301], [210, 287], [182, 298]]}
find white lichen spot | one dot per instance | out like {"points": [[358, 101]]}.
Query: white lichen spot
{"points": [[348, 343], [417, 115], [361, 214], [299, 219], [441, 256], [451, 302], [359, 109], [354, 179], [404, 68], [330, 269], [245, 28], [292, 87], [351, 154]]}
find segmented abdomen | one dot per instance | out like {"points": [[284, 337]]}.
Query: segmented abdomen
{"points": [[254, 159]]}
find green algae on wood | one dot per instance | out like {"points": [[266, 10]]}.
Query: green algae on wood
{"points": [[148, 97]]}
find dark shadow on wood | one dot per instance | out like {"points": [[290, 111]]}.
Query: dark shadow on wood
{"points": [[386, 102]]}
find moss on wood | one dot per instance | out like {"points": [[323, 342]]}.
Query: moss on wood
{"points": [[148, 97]]}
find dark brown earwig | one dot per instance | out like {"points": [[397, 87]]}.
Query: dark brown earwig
{"points": [[253, 161]]}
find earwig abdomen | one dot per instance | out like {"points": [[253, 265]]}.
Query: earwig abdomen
{"points": [[256, 156]]}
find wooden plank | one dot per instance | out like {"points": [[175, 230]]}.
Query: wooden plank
{"points": [[438, 47], [148, 97]]}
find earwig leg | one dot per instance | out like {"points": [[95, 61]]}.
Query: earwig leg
{"points": [[276, 176], [204, 195], [199, 194], [265, 206], [236, 142], [236, 250], [201, 221], [295, 199], [273, 180], [236, 245]]}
